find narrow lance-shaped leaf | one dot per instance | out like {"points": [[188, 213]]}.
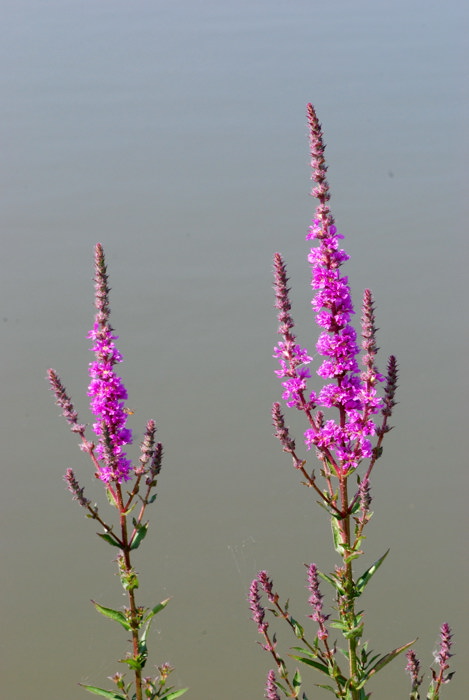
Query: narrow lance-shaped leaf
{"points": [[141, 531], [365, 578], [333, 581], [142, 644], [158, 608], [175, 694], [327, 687], [381, 663], [307, 652], [113, 614], [310, 662], [336, 535], [104, 693], [109, 538]]}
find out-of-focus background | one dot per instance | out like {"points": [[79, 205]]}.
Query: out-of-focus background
{"points": [[174, 132]]}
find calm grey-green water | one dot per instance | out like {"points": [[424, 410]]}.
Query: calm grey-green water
{"points": [[174, 133]]}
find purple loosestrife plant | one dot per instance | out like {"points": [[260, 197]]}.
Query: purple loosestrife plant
{"points": [[346, 420], [116, 470]]}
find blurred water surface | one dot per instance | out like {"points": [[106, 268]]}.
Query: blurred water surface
{"points": [[174, 133]]}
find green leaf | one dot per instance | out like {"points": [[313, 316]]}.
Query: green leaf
{"points": [[176, 694], [367, 662], [354, 632], [351, 557], [114, 615], [104, 693], [356, 507], [364, 579], [308, 652], [338, 625], [282, 688], [296, 680], [336, 535], [381, 663], [139, 535], [108, 538], [314, 664], [142, 644], [326, 687], [298, 629], [333, 581], [134, 664], [158, 608], [110, 498]]}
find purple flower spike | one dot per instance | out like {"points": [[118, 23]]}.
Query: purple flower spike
{"points": [[290, 355], [281, 430], [344, 441], [63, 401], [319, 169], [413, 669], [315, 600], [267, 586], [257, 610], [75, 489], [443, 655], [106, 389], [271, 688], [391, 386]]}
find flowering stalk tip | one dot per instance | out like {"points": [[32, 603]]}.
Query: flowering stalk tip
{"points": [[64, 402], [75, 489], [442, 657], [257, 611], [106, 388]]}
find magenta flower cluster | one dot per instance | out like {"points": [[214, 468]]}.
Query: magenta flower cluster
{"points": [[346, 441], [106, 389], [108, 394]]}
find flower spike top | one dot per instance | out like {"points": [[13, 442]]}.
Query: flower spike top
{"points": [[106, 389], [345, 442]]}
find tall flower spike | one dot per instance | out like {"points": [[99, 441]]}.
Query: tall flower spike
{"points": [[106, 389], [347, 439]]}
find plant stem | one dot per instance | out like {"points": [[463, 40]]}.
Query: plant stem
{"points": [[348, 611], [134, 617]]}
